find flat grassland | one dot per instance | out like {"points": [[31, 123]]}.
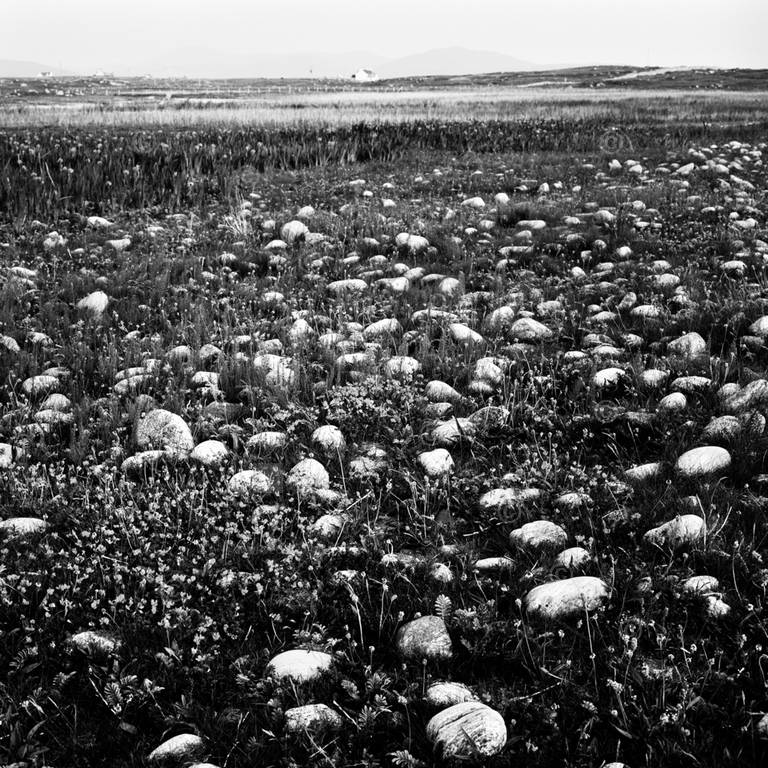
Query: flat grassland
{"points": [[460, 385]]}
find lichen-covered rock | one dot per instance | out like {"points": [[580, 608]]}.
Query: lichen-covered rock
{"points": [[567, 597], [299, 665], [256, 481], [162, 430], [95, 643], [467, 730], [424, 638], [316, 718], [445, 693], [19, 528]]}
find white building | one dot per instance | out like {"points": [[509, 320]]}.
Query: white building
{"points": [[365, 76]]}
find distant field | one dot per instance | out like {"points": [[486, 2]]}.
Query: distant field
{"points": [[386, 105]]}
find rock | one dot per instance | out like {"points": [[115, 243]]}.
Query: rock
{"points": [[498, 499], [608, 377], [162, 430], [707, 460], [329, 440], [530, 330], [437, 464], [39, 386], [690, 345], [210, 453], [684, 530], [95, 643], [494, 564], [340, 287], [424, 638], [559, 600], [572, 559], [301, 666], [316, 718], [267, 442], [307, 477], [143, 462], [539, 536], [94, 303], [293, 232], [675, 402], [691, 385], [700, 585], [255, 481], [453, 431], [178, 749], [20, 528], [752, 396], [439, 391], [644, 473], [402, 367], [725, 429], [466, 731], [444, 694], [6, 456], [463, 334], [389, 327]]}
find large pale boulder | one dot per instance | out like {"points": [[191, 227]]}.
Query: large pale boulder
{"points": [[437, 464], [703, 461], [567, 597], [539, 536], [307, 477], [210, 453], [466, 731], [684, 530], [162, 430]]}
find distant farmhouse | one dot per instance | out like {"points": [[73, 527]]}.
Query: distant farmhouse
{"points": [[365, 76], [45, 74]]}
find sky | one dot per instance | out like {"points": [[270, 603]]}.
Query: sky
{"points": [[138, 36]]}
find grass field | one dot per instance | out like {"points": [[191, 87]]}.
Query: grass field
{"points": [[459, 394]]}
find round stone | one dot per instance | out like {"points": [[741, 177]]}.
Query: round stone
{"points": [[703, 461], [467, 730]]}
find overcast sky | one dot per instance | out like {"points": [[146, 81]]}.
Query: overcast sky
{"points": [[121, 36]]}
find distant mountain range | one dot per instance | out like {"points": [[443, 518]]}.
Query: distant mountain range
{"points": [[12, 68], [199, 62]]}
